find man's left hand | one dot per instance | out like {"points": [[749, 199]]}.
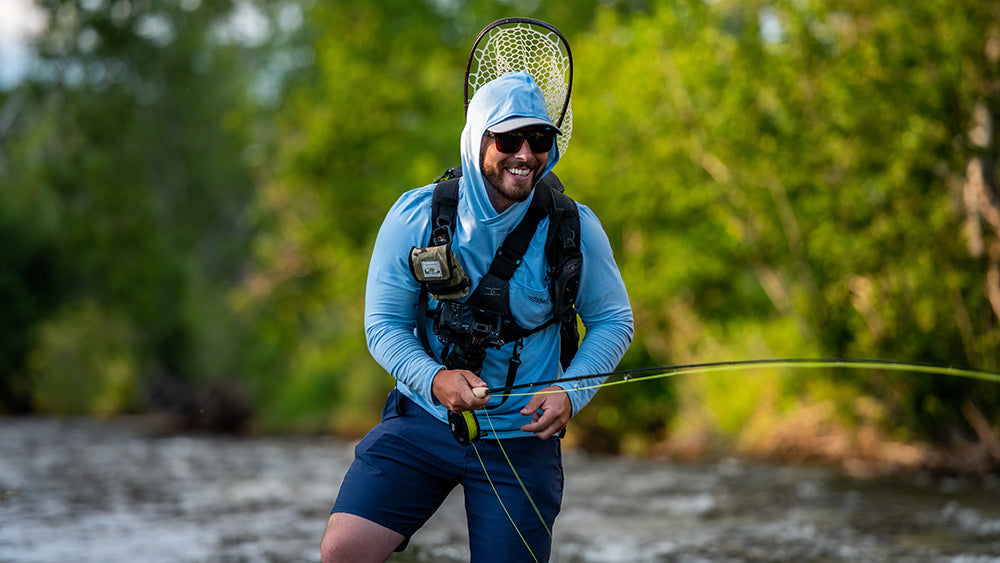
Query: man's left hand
{"points": [[550, 410]]}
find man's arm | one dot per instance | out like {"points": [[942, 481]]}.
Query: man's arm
{"points": [[391, 295]]}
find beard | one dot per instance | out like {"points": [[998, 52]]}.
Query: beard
{"points": [[506, 186]]}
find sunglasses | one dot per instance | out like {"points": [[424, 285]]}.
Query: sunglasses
{"points": [[539, 140]]}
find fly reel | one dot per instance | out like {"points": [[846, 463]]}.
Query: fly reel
{"points": [[464, 427]]}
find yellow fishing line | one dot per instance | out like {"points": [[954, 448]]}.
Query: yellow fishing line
{"points": [[502, 505], [627, 377], [784, 364], [518, 477]]}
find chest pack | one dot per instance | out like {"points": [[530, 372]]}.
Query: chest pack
{"points": [[484, 320]]}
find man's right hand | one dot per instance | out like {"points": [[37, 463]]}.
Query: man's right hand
{"points": [[453, 389]]}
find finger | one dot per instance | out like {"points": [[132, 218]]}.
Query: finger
{"points": [[472, 379], [533, 405], [475, 397], [544, 429], [539, 421]]}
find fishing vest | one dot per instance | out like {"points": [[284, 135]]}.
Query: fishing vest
{"points": [[486, 313]]}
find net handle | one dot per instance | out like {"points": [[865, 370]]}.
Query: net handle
{"points": [[531, 21]]}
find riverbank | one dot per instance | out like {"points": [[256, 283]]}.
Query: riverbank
{"points": [[114, 490], [813, 435]]}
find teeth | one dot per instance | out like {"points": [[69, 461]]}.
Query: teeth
{"points": [[519, 171]]}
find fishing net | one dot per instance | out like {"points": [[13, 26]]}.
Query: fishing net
{"points": [[514, 46]]}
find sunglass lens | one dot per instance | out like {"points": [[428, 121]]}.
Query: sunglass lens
{"points": [[539, 141], [509, 142]]}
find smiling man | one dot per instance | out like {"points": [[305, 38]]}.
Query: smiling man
{"points": [[496, 324]]}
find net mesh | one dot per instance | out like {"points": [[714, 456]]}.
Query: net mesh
{"points": [[540, 53]]}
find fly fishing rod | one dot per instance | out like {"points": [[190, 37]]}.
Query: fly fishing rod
{"points": [[466, 429]]}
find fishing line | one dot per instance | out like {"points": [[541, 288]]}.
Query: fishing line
{"points": [[520, 482], [500, 499], [518, 477], [661, 372]]}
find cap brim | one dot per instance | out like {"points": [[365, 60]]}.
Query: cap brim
{"points": [[521, 122]]}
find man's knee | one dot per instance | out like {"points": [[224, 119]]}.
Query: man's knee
{"points": [[355, 539], [339, 543]]}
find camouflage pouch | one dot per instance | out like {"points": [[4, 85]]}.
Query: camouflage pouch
{"points": [[437, 267]]}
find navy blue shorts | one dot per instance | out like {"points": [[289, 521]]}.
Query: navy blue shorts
{"points": [[408, 464]]}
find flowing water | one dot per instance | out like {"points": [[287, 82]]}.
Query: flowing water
{"points": [[91, 491]]}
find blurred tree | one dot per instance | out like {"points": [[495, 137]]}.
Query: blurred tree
{"points": [[29, 289], [787, 181], [131, 138], [778, 178]]}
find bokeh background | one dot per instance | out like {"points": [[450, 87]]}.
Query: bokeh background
{"points": [[189, 194]]}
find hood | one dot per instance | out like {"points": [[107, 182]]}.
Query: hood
{"points": [[512, 95]]}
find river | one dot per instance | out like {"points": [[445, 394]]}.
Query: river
{"points": [[111, 491]]}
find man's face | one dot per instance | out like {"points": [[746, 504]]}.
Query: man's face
{"points": [[512, 175]]}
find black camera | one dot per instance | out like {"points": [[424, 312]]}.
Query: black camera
{"points": [[469, 331]]}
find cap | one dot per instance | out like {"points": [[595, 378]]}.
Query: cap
{"points": [[519, 122]]}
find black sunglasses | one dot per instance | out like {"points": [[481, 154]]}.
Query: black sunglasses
{"points": [[539, 140]]}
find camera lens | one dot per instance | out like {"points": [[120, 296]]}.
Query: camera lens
{"points": [[471, 359]]}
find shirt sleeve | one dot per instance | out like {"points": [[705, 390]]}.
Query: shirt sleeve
{"points": [[391, 296], [603, 305]]}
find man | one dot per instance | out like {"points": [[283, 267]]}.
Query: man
{"points": [[408, 464]]}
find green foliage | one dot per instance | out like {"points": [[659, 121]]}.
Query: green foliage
{"points": [[84, 363], [802, 176], [29, 289]]}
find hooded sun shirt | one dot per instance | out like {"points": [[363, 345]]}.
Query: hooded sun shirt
{"points": [[392, 292]]}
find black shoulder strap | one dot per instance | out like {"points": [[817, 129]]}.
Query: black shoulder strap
{"points": [[564, 229], [511, 252], [563, 253], [563, 235], [444, 206]]}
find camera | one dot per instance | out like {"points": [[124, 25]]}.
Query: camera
{"points": [[469, 331]]}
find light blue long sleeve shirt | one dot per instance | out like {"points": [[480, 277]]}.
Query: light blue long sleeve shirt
{"points": [[392, 292]]}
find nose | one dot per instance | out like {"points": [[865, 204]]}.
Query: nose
{"points": [[524, 151]]}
